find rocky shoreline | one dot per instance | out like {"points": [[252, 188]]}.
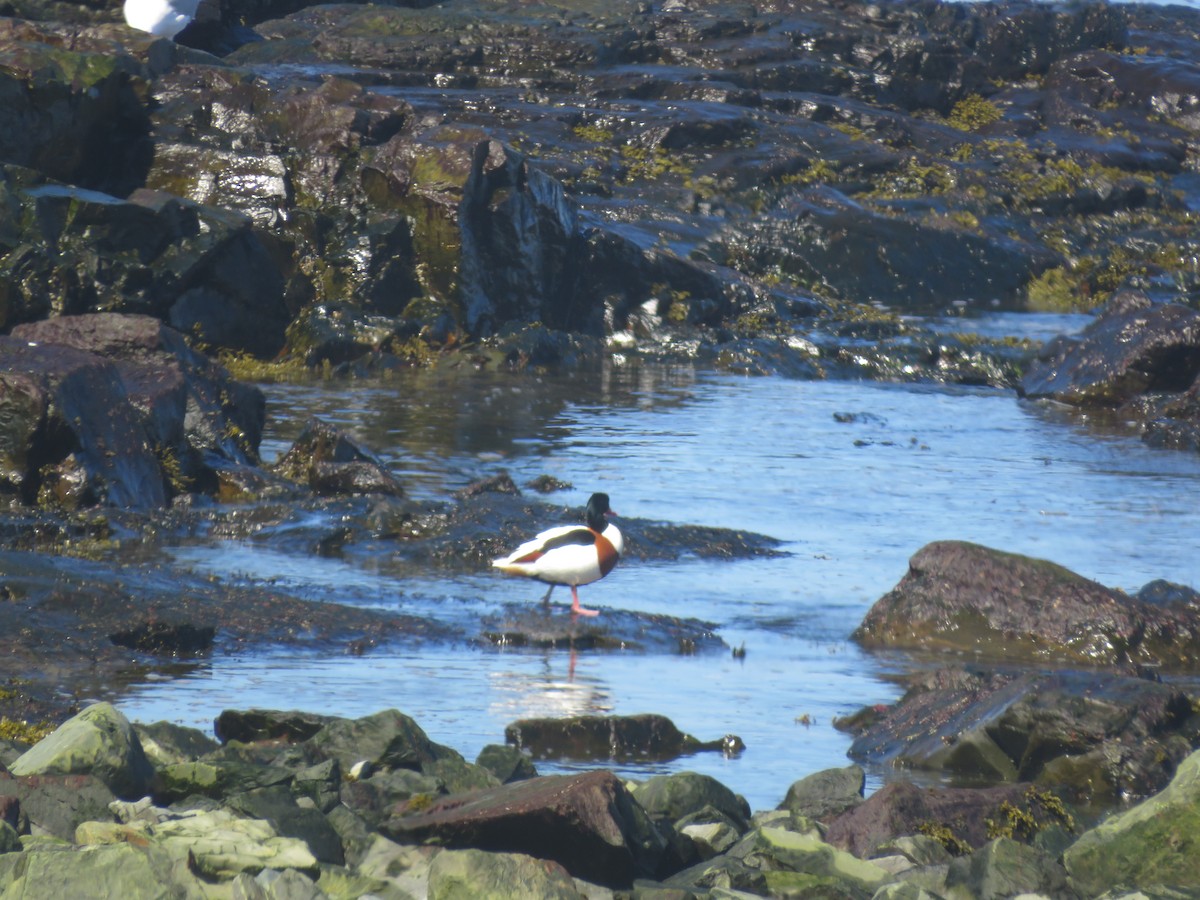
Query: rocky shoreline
{"points": [[305, 191], [291, 805]]}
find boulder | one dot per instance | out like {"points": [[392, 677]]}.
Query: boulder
{"points": [[214, 778], [1149, 844], [971, 599], [71, 437], [110, 870], [955, 816], [99, 741], [794, 862], [672, 797], [385, 740], [1005, 868], [466, 874], [827, 792], [276, 806], [505, 762], [220, 845], [1136, 346], [219, 416], [588, 823]]}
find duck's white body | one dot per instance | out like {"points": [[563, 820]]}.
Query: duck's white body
{"points": [[162, 18], [569, 554]]}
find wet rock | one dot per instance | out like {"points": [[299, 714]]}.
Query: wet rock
{"points": [[72, 438], [331, 462], [1136, 346], [988, 603], [503, 876], [640, 737], [167, 413], [1096, 736], [165, 639], [1144, 845], [220, 416], [827, 792], [98, 741], [588, 823], [101, 94], [1005, 868], [821, 235]]}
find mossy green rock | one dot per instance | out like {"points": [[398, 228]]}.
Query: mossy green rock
{"points": [[99, 741], [468, 874], [1155, 842], [809, 855]]}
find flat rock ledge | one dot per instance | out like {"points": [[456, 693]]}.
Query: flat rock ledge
{"points": [[294, 805]]}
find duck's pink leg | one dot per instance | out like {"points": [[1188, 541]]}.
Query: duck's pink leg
{"points": [[578, 610]]}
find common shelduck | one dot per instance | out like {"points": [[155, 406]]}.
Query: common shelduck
{"points": [[570, 554], [161, 18]]}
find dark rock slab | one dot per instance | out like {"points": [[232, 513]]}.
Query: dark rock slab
{"points": [[1136, 346], [990, 604], [640, 737], [1094, 736], [588, 823]]}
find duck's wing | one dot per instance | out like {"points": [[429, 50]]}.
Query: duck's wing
{"points": [[544, 542]]}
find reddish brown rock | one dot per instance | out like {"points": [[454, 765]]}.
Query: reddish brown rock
{"points": [[902, 808], [970, 599]]}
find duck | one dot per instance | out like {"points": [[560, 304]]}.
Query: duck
{"points": [[570, 555], [161, 18]]}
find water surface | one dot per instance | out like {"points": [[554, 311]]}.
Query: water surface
{"points": [[853, 476]]}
